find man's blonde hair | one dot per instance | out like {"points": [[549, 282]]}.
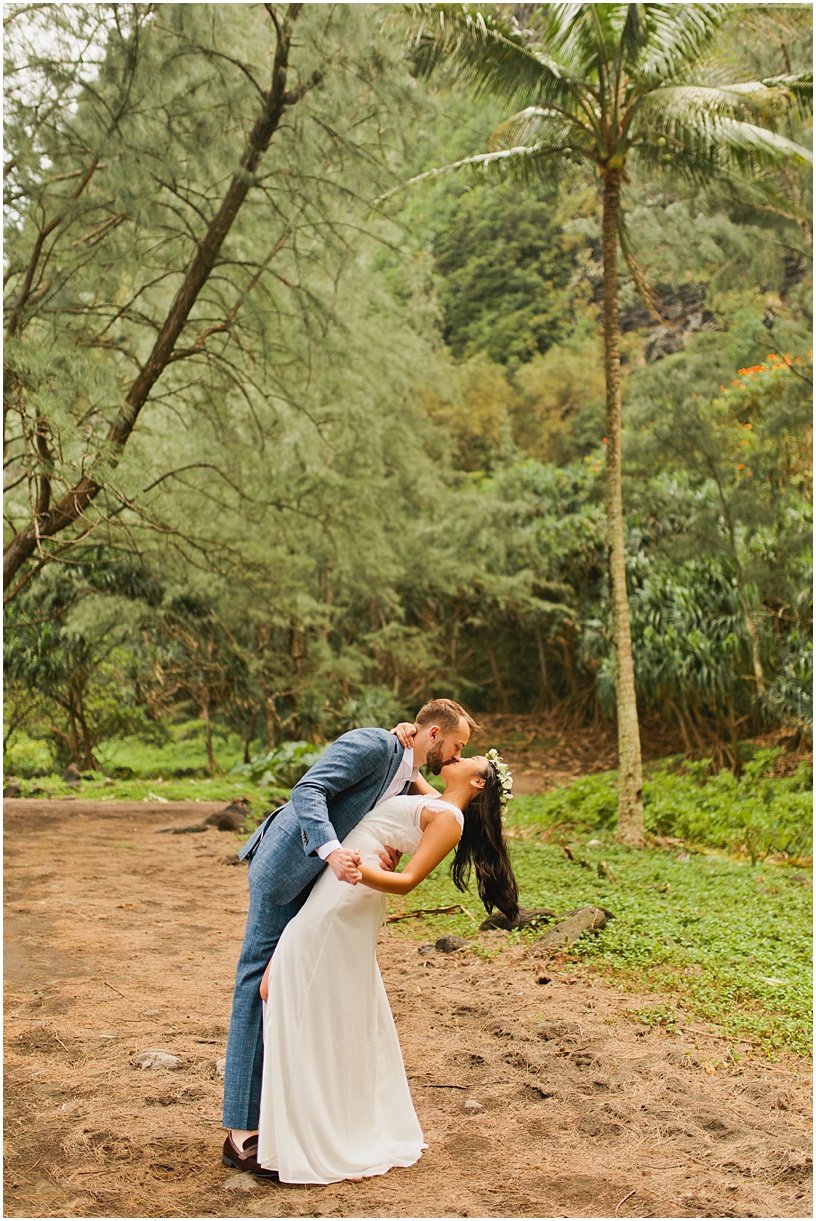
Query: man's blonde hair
{"points": [[446, 714]]}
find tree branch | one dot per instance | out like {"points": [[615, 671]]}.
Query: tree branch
{"points": [[72, 506]]}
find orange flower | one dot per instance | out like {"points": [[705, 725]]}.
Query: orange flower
{"points": [[749, 474], [604, 440], [740, 466], [747, 426]]}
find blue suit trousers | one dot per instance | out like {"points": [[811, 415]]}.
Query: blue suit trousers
{"points": [[242, 1079]]}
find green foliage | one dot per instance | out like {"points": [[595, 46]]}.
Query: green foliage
{"points": [[27, 757], [757, 814], [504, 283], [282, 766], [156, 789]]}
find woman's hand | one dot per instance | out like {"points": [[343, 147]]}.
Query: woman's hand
{"points": [[405, 732]]}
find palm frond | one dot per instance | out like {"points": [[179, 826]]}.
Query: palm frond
{"points": [[722, 149], [796, 82], [537, 124], [585, 36], [677, 36], [692, 99], [633, 38], [799, 87], [765, 146], [526, 161], [484, 52]]}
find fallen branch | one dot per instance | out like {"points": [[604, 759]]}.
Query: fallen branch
{"points": [[710, 1034], [431, 911]]}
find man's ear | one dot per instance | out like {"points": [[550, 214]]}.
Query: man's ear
{"points": [[434, 732]]}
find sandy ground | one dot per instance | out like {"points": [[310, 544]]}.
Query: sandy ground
{"points": [[119, 939]]}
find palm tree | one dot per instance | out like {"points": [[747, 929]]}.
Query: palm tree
{"points": [[612, 87]]}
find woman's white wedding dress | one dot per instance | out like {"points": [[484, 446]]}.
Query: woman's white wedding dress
{"points": [[335, 1102]]}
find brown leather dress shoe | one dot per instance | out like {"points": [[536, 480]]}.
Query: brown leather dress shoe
{"points": [[246, 1159]]}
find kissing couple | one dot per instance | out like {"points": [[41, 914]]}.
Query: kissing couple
{"points": [[315, 1088]]}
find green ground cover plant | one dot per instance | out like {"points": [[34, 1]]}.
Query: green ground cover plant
{"points": [[728, 940]]}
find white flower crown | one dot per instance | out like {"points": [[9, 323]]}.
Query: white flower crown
{"points": [[504, 776]]}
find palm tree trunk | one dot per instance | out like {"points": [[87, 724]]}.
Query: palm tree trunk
{"points": [[630, 780]]}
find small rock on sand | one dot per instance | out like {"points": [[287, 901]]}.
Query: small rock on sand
{"points": [[240, 1182], [447, 944], [156, 1057]]}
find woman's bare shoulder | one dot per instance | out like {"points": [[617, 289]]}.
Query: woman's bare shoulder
{"points": [[436, 807]]}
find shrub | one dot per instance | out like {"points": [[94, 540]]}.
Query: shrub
{"points": [[283, 766], [28, 757]]}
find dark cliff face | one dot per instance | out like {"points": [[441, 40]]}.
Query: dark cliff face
{"points": [[683, 307], [795, 267]]}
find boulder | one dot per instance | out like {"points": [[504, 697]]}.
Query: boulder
{"points": [[573, 926]]}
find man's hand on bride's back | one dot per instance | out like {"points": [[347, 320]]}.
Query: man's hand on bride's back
{"points": [[345, 863], [405, 732]]}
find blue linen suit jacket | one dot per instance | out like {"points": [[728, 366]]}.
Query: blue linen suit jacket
{"points": [[336, 792]]}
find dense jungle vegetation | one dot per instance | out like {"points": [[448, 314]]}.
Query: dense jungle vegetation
{"points": [[371, 468]]}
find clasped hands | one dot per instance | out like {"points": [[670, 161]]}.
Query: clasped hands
{"points": [[346, 863]]}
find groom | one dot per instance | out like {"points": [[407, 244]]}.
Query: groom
{"points": [[286, 854]]}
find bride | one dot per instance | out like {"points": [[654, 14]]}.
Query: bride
{"points": [[335, 1102]]}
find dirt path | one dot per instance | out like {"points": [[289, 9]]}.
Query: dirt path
{"points": [[119, 939]]}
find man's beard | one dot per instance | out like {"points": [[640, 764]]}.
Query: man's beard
{"points": [[435, 759]]}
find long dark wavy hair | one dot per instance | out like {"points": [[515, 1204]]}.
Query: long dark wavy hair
{"points": [[483, 847]]}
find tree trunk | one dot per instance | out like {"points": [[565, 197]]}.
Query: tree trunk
{"points": [[89, 761], [545, 698], [497, 679], [76, 501], [250, 735], [272, 722], [630, 778], [212, 762]]}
